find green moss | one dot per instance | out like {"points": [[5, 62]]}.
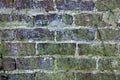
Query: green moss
{"points": [[75, 64], [55, 76], [3, 24], [56, 49], [68, 19], [3, 49], [109, 64], [106, 5], [98, 49]]}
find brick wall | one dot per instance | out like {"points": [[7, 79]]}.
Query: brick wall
{"points": [[59, 39]]}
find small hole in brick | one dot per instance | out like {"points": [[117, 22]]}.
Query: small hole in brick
{"points": [[4, 77]]}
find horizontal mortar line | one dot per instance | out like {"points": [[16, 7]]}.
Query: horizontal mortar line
{"points": [[54, 56], [72, 41], [35, 12], [25, 71], [58, 71], [66, 56], [59, 28]]}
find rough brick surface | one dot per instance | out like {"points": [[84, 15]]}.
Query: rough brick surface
{"points": [[75, 64], [76, 34], [56, 76], [9, 64], [56, 49], [98, 49], [85, 19], [34, 34], [24, 49]]}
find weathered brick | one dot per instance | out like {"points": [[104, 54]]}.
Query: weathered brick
{"points": [[96, 76], [34, 34], [76, 34], [109, 64], [27, 4], [106, 76], [108, 34], [67, 19], [7, 4], [56, 76], [46, 63], [47, 5], [67, 4], [86, 76], [9, 64], [118, 49], [12, 17], [85, 19], [56, 49], [17, 76], [26, 63], [107, 5], [3, 48], [98, 49], [75, 5], [21, 49], [7, 19], [6, 34], [118, 76], [44, 20], [75, 64], [87, 5]]}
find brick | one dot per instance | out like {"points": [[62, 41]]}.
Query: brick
{"points": [[106, 76], [1, 64], [67, 4], [76, 34], [47, 5], [67, 19], [86, 76], [7, 4], [85, 19], [12, 17], [118, 76], [28, 4], [75, 64], [6, 34], [98, 49], [96, 76], [118, 49], [9, 64], [34, 34], [108, 34], [4, 17], [56, 76], [109, 64], [56, 49], [87, 6], [45, 20], [21, 49], [106, 5], [3, 48], [8, 19], [17, 76], [46, 63], [26, 63], [75, 5]]}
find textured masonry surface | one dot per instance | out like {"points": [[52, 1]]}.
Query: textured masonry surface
{"points": [[59, 40]]}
